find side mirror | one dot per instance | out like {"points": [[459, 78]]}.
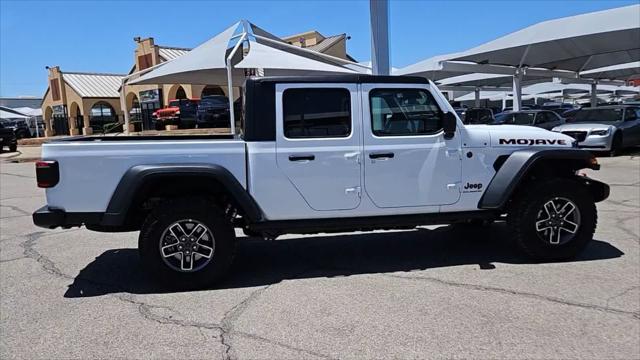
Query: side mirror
{"points": [[449, 123]]}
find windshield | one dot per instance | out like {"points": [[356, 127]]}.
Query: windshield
{"points": [[479, 116], [217, 100], [515, 118], [599, 115]]}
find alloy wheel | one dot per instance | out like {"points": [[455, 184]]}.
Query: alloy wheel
{"points": [[187, 245], [558, 221]]}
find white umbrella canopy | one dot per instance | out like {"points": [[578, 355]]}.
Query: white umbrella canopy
{"points": [[279, 62], [614, 72], [205, 64], [575, 43]]}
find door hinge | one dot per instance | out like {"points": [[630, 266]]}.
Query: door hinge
{"points": [[353, 190]]}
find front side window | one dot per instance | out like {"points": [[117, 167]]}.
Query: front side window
{"points": [[523, 118], [404, 112], [316, 113]]}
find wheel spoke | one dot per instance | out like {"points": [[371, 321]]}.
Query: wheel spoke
{"points": [[566, 212], [168, 252], [549, 208], [569, 226], [542, 225], [186, 262], [204, 251]]}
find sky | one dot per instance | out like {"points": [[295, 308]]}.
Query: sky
{"points": [[97, 36]]}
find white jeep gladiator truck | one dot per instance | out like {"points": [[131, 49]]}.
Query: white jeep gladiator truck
{"points": [[321, 154]]}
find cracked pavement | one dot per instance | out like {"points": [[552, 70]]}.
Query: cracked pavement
{"points": [[433, 292]]}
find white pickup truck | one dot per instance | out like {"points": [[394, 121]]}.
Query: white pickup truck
{"points": [[321, 154]]}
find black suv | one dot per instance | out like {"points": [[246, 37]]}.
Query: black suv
{"points": [[8, 138], [213, 111]]}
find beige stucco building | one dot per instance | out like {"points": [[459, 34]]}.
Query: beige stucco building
{"points": [[84, 103]]}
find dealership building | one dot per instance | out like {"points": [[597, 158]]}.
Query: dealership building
{"points": [[78, 103]]}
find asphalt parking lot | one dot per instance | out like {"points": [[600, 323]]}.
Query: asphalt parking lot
{"points": [[436, 292]]}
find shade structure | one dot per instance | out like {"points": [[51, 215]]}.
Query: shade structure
{"points": [[279, 62], [11, 115], [614, 72], [431, 68], [487, 80], [205, 64], [575, 43]]}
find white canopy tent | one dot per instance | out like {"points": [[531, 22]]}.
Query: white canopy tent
{"points": [[614, 72], [7, 115], [219, 60], [559, 48]]}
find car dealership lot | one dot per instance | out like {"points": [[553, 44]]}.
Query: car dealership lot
{"points": [[431, 292]]}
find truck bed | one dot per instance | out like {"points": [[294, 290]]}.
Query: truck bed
{"points": [[91, 167]]}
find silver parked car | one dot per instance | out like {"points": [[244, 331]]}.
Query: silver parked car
{"points": [[606, 128]]}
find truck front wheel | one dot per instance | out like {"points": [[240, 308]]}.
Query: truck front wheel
{"points": [[187, 242], [554, 220]]}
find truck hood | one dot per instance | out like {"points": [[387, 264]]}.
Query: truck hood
{"points": [[517, 135], [583, 127]]}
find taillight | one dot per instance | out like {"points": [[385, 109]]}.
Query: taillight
{"points": [[47, 173]]}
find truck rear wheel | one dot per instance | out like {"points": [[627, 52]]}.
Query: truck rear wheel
{"points": [[554, 220], [187, 242]]}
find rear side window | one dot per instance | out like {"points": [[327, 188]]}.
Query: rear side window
{"points": [[397, 112], [523, 118], [316, 113]]}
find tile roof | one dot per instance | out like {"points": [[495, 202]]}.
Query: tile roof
{"points": [[328, 42], [170, 53], [94, 84]]}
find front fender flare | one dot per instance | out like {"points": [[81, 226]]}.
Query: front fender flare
{"points": [[516, 167]]}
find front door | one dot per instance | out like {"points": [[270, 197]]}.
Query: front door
{"points": [[318, 143], [407, 160]]}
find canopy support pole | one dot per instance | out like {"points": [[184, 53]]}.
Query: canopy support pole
{"points": [[123, 105], [477, 97], [594, 94], [517, 90], [379, 13], [232, 115]]}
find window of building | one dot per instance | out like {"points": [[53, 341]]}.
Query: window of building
{"points": [[316, 113], [404, 112]]}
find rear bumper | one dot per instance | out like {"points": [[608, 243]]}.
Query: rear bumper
{"points": [[52, 218]]}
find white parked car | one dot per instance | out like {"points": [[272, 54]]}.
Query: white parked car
{"points": [[321, 154]]}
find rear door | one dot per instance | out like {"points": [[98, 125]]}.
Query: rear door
{"points": [[407, 160], [318, 143]]}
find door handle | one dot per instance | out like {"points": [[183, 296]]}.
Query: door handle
{"points": [[381, 155], [301, 157]]}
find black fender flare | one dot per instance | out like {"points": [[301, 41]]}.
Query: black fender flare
{"points": [[515, 168], [135, 178]]}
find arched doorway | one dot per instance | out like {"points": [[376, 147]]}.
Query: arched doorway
{"points": [[75, 117], [103, 118], [48, 115], [134, 110], [180, 93], [211, 90], [176, 92]]}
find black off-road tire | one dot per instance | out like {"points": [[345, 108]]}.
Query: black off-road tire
{"points": [[524, 212], [174, 210]]}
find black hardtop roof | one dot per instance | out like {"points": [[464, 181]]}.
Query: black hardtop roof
{"points": [[349, 78]]}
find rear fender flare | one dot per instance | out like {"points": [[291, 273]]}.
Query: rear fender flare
{"points": [[135, 178]]}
